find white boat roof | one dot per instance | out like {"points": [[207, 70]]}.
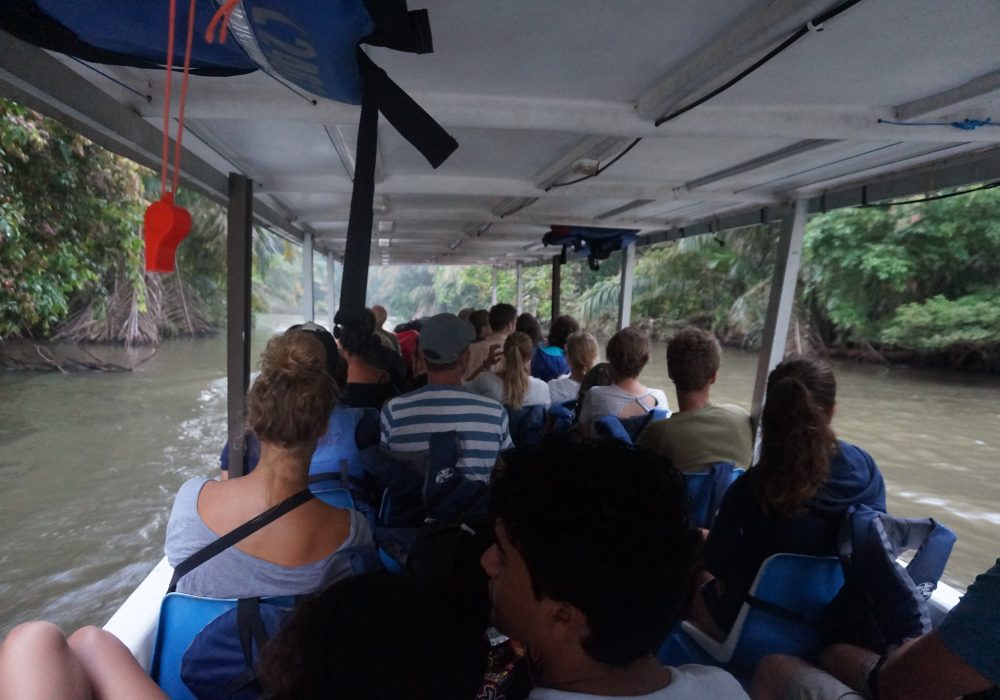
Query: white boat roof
{"points": [[537, 93]]}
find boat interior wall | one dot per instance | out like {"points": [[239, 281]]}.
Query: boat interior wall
{"points": [[540, 95]]}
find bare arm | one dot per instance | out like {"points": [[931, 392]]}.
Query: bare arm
{"points": [[927, 669], [494, 357]]}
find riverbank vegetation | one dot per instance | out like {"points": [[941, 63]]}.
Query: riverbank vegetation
{"points": [[913, 282]]}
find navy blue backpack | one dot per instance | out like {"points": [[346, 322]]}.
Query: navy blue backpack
{"points": [[883, 603]]}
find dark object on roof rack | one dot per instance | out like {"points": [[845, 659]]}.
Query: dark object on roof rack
{"points": [[595, 243]]}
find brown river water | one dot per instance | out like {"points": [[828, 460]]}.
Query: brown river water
{"points": [[89, 464]]}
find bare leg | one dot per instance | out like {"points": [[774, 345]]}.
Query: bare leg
{"points": [[772, 676], [849, 664], [110, 667], [37, 664]]}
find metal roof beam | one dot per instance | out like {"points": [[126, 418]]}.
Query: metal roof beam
{"points": [[455, 185], [736, 46], [236, 99], [950, 99]]}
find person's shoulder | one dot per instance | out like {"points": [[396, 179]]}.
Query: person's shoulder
{"points": [[855, 455], [734, 409], [190, 489], [693, 680]]}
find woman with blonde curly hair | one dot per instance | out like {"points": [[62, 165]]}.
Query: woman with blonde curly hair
{"points": [[287, 409]]}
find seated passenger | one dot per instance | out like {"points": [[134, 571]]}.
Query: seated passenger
{"points": [[793, 499], [444, 404], [334, 366], [503, 319], [699, 433], [592, 565], [960, 657], [480, 320], [388, 339], [549, 361], [378, 636], [527, 323], [375, 373], [355, 640], [288, 408], [628, 353], [514, 387], [581, 354]]}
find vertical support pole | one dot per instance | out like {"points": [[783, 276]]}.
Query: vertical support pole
{"points": [[331, 286], [519, 287], [239, 246], [556, 285], [782, 299], [628, 280], [308, 301], [493, 296]]}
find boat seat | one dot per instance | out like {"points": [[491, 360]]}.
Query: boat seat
{"points": [[706, 489], [560, 417], [627, 429], [527, 425], [182, 617], [781, 613], [333, 496]]}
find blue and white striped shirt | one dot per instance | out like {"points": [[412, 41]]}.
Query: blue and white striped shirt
{"points": [[481, 423]]}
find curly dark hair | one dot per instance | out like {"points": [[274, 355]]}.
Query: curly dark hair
{"points": [[603, 526], [377, 636], [693, 358]]}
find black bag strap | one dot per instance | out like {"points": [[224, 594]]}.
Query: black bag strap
{"points": [[784, 613], [243, 531], [408, 118]]}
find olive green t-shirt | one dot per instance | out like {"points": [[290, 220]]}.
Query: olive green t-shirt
{"points": [[692, 439]]}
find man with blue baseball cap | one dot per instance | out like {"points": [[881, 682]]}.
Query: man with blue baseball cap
{"points": [[444, 404]]}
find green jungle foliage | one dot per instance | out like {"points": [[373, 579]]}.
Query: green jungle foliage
{"points": [[69, 219], [921, 278]]}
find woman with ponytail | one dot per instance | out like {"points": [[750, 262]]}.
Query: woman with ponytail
{"points": [[793, 498], [514, 386]]}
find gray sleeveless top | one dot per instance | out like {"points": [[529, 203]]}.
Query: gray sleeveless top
{"points": [[236, 574]]}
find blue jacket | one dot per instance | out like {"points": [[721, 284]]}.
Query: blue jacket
{"points": [[548, 363], [743, 535]]}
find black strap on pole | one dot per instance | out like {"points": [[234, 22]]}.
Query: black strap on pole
{"points": [[414, 124], [233, 536], [357, 250]]}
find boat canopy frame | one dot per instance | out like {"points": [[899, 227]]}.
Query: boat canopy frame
{"points": [[890, 99]]}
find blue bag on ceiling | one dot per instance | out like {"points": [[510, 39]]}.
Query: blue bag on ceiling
{"points": [[121, 33], [592, 242], [315, 44]]}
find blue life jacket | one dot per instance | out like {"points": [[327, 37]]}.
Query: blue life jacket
{"points": [[882, 603]]}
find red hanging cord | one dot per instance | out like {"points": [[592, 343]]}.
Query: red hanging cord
{"points": [[166, 224], [221, 20], [166, 98], [183, 100]]}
